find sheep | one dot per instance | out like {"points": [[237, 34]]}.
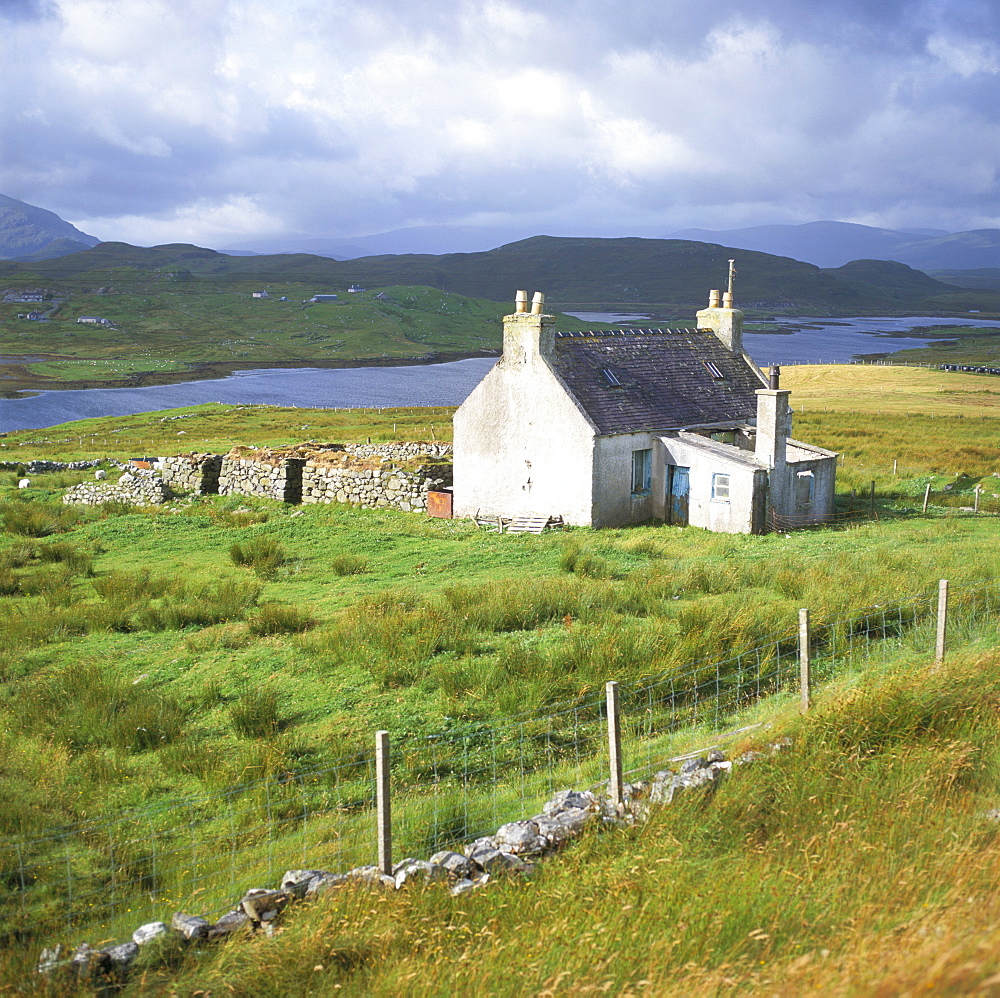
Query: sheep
{"points": [[24, 483], [100, 474]]}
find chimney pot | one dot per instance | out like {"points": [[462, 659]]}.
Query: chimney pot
{"points": [[772, 381], [727, 300], [538, 303], [521, 301], [714, 299]]}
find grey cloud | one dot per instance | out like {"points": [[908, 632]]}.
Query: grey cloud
{"points": [[27, 10], [337, 119]]}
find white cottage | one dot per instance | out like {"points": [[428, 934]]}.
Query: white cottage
{"points": [[621, 426]]}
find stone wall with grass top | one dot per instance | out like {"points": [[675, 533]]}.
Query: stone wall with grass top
{"points": [[376, 476], [372, 481]]}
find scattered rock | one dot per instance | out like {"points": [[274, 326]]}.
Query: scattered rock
{"points": [[229, 923], [454, 863], [122, 955], [521, 838], [297, 881], [146, 933], [190, 926], [418, 870]]}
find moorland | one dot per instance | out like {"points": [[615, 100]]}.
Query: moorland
{"points": [[206, 649], [178, 312]]}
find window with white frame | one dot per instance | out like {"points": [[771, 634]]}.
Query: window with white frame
{"points": [[720, 486], [642, 472]]}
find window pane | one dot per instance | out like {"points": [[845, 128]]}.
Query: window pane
{"points": [[720, 486], [642, 471]]}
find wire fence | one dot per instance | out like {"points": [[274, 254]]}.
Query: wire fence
{"points": [[201, 853]]}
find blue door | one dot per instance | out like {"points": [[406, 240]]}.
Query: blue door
{"points": [[678, 489]]}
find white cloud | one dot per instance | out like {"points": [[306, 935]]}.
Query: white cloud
{"points": [[207, 119], [200, 221]]}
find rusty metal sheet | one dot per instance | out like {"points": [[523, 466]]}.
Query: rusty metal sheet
{"points": [[439, 504]]}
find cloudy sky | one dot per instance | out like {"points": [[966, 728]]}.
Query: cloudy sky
{"points": [[215, 121]]}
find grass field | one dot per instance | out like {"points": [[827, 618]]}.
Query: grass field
{"points": [[149, 655], [165, 329], [858, 863]]}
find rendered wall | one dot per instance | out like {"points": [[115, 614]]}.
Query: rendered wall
{"points": [[706, 458], [522, 446], [614, 503]]}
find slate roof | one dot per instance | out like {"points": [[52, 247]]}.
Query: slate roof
{"points": [[662, 375]]}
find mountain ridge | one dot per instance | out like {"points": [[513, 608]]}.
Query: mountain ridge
{"points": [[675, 274], [28, 232], [832, 244]]}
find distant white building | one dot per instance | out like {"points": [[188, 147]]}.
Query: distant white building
{"points": [[32, 316], [354, 289], [322, 298], [94, 320], [621, 426], [261, 294]]}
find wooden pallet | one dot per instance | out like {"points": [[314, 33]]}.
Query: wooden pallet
{"points": [[533, 524], [496, 523]]}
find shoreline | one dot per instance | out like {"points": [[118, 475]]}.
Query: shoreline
{"points": [[18, 383]]}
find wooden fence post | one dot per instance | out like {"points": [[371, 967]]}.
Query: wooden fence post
{"points": [[383, 802], [614, 743], [804, 677], [927, 495], [871, 500], [942, 622], [976, 508]]}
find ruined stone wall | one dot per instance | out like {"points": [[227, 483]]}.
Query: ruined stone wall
{"points": [[376, 476], [132, 488], [270, 474], [373, 487], [197, 473], [405, 451]]}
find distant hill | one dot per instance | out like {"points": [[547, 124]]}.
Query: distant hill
{"points": [[665, 273], [984, 277], [832, 244], [30, 233]]}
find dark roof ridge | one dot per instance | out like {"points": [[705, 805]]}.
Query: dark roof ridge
{"points": [[626, 331]]}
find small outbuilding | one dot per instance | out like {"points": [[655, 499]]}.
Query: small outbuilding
{"points": [[619, 426]]}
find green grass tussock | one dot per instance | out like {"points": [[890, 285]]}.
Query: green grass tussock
{"points": [[264, 555]]}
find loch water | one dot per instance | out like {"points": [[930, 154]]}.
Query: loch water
{"points": [[815, 341]]}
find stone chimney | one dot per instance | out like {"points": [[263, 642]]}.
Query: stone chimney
{"points": [[723, 319], [774, 426], [528, 335]]}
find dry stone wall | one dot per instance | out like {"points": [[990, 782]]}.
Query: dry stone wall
{"points": [[376, 476], [404, 451], [197, 473], [374, 488], [271, 474], [133, 488]]}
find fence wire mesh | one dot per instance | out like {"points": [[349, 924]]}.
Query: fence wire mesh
{"points": [[202, 853]]}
